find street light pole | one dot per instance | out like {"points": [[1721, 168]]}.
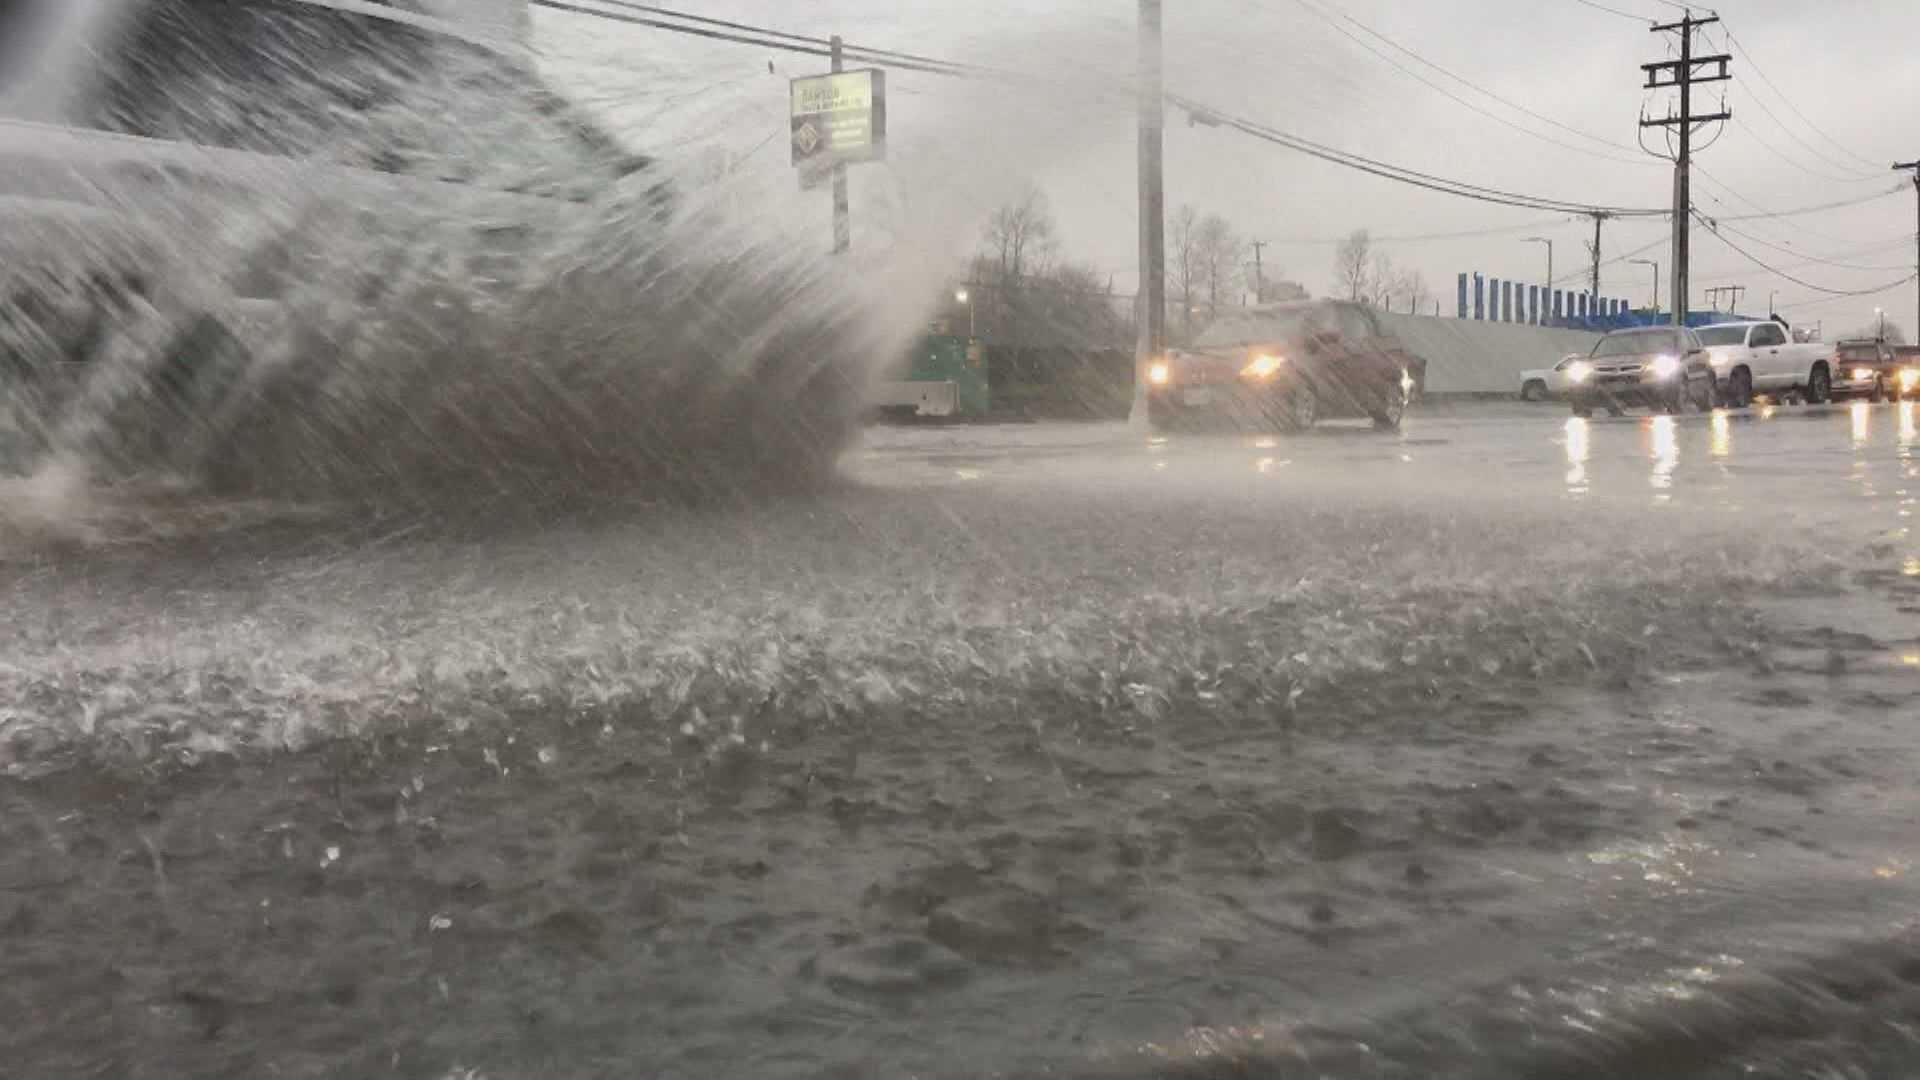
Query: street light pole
{"points": [[1655, 263], [1547, 299], [965, 297]]}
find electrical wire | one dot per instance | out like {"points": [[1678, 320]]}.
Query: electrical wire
{"points": [[743, 33], [1734, 41], [1615, 11], [1455, 98], [1755, 260], [1208, 115]]}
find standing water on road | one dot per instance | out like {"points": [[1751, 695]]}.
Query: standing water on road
{"points": [[413, 689]]}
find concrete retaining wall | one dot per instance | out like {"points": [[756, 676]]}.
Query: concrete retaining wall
{"points": [[1465, 356]]}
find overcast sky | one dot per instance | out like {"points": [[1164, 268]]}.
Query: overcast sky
{"points": [[958, 146]]}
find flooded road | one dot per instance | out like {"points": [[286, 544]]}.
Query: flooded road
{"points": [[1507, 745]]}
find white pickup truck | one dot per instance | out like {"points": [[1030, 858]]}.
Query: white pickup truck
{"points": [[1762, 357]]}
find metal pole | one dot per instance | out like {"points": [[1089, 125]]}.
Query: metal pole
{"points": [[1152, 342], [842, 223]]}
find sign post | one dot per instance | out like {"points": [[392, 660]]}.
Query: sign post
{"points": [[838, 120]]}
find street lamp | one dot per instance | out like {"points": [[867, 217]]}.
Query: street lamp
{"points": [[1547, 299], [962, 296], [1656, 280]]}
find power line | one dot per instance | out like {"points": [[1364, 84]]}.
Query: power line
{"points": [[1615, 11], [1209, 116], [1451, 96], [1814, 259], [719, 30], [1757, 70], [1818, 209], [744, 33], [1755, 260], [1832, 178]]}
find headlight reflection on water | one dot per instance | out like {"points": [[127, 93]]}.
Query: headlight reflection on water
{"points": [[1665, 433], [1579, 431], [1862, 417], [1722, 427]]}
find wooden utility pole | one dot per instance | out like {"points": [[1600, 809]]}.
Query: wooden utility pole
{"points": [[1600, 217], [842, 221], [1152, 343], [1259, 272], [1914, 168], [1684, 74]]}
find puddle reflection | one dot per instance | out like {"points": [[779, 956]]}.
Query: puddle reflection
{"points": [[1665, 437], [1578, 449]]}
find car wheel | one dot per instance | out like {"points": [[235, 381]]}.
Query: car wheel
{"points": [[1819, 387], [1534, 391], [1739, 393], [1389, 418], [1706, 393], [1301, 409]]}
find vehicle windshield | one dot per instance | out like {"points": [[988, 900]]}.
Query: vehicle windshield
{"points": [[1638, 343], [1722, 335]]}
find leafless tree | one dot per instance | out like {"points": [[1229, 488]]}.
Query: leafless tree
{"points": [[1019, 237], [1220, 251], [1183, 262], [1410, 287], [1381, 280], [1352, 265]]}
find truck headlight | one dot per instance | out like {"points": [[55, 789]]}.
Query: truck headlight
{"points": [[1666, 367], [1909, 379], [1263, 366], [1579, 371], [1862, 374], [1160, 374]]}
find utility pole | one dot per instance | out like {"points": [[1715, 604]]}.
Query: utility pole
{"points": [[1914, 168], [842, 223], [1736, 291], [1600, 217], [1152, 343], [1259, 273], [1684, 74]]}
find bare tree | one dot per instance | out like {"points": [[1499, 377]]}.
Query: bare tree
{"points": [[1381, 280], [1019, 237], [1183, 254], [1220, 251], [1410, 289], [1351, 265], [1016, 246]]}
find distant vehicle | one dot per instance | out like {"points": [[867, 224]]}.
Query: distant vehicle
{"points": [[1547, 384], [1660, 368], [1760, 357], [1872, 369], [1287, 366]]}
